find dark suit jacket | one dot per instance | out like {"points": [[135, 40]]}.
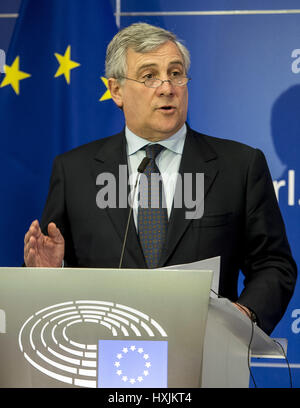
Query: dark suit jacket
{"points": [[241, 223]]}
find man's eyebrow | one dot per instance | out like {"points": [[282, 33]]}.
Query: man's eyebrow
{"points": [[145, 66], [153, 65], [176, 62]]}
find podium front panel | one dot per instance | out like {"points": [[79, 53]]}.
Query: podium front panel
{"points": [[102, 327]]}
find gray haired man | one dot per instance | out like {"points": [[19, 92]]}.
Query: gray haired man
{"points": [[147, 72]]}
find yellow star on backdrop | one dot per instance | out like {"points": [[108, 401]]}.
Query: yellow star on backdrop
{"points": [[106, 94], [65, 64], [13, 75]]}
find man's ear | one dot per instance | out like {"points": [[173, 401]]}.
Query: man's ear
{"points": [[115, 91]]}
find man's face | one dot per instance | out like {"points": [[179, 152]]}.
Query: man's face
{"points": [[153, 113]]}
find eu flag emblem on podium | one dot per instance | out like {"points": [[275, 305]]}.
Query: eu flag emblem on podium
{"points": [[132, 364]]}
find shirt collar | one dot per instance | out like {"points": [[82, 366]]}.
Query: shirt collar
{"points": [[174, 143]]}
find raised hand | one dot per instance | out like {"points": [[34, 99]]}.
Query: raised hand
{"points": [[41, 250]]}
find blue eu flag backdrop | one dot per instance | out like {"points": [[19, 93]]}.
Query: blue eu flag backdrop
{"points": [[132, 364], [53, 97]]}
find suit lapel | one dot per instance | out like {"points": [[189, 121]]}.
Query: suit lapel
{"points": [[108, 159], [197, 157]]}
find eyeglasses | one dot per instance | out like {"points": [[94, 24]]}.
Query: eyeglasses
{"points": [[179, 80]]}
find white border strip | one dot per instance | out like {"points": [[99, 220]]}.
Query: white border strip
{"points": [[118, 13], [277, 365], [206, 13], [9, 15]]}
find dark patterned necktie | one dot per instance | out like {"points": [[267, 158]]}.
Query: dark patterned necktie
{"points": [[152, 212]]}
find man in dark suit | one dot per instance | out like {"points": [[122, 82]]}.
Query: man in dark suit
{"points": [[147, 70]]}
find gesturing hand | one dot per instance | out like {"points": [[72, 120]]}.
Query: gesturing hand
{"points": [[41, 250]]}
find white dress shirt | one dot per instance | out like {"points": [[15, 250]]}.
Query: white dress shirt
{"points": [[168, 162]]}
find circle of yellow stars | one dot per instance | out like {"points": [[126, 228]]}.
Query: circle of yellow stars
{"points": [[13, 73]]}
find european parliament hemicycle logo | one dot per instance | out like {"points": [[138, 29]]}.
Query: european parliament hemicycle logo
{"points": [[47, 342]]}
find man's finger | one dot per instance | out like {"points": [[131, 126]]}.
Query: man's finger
{"points": [[30, 259], [31, 243], [243, 309], [34, 229], [26, 250], [54, 232]]}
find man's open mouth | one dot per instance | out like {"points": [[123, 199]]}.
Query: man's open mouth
{"points": [[167, 108]]}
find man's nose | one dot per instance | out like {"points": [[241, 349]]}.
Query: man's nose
{"points": [[166, 87]]}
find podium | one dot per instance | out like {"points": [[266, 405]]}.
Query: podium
{"points": [[227, 344], [54, 324]]}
